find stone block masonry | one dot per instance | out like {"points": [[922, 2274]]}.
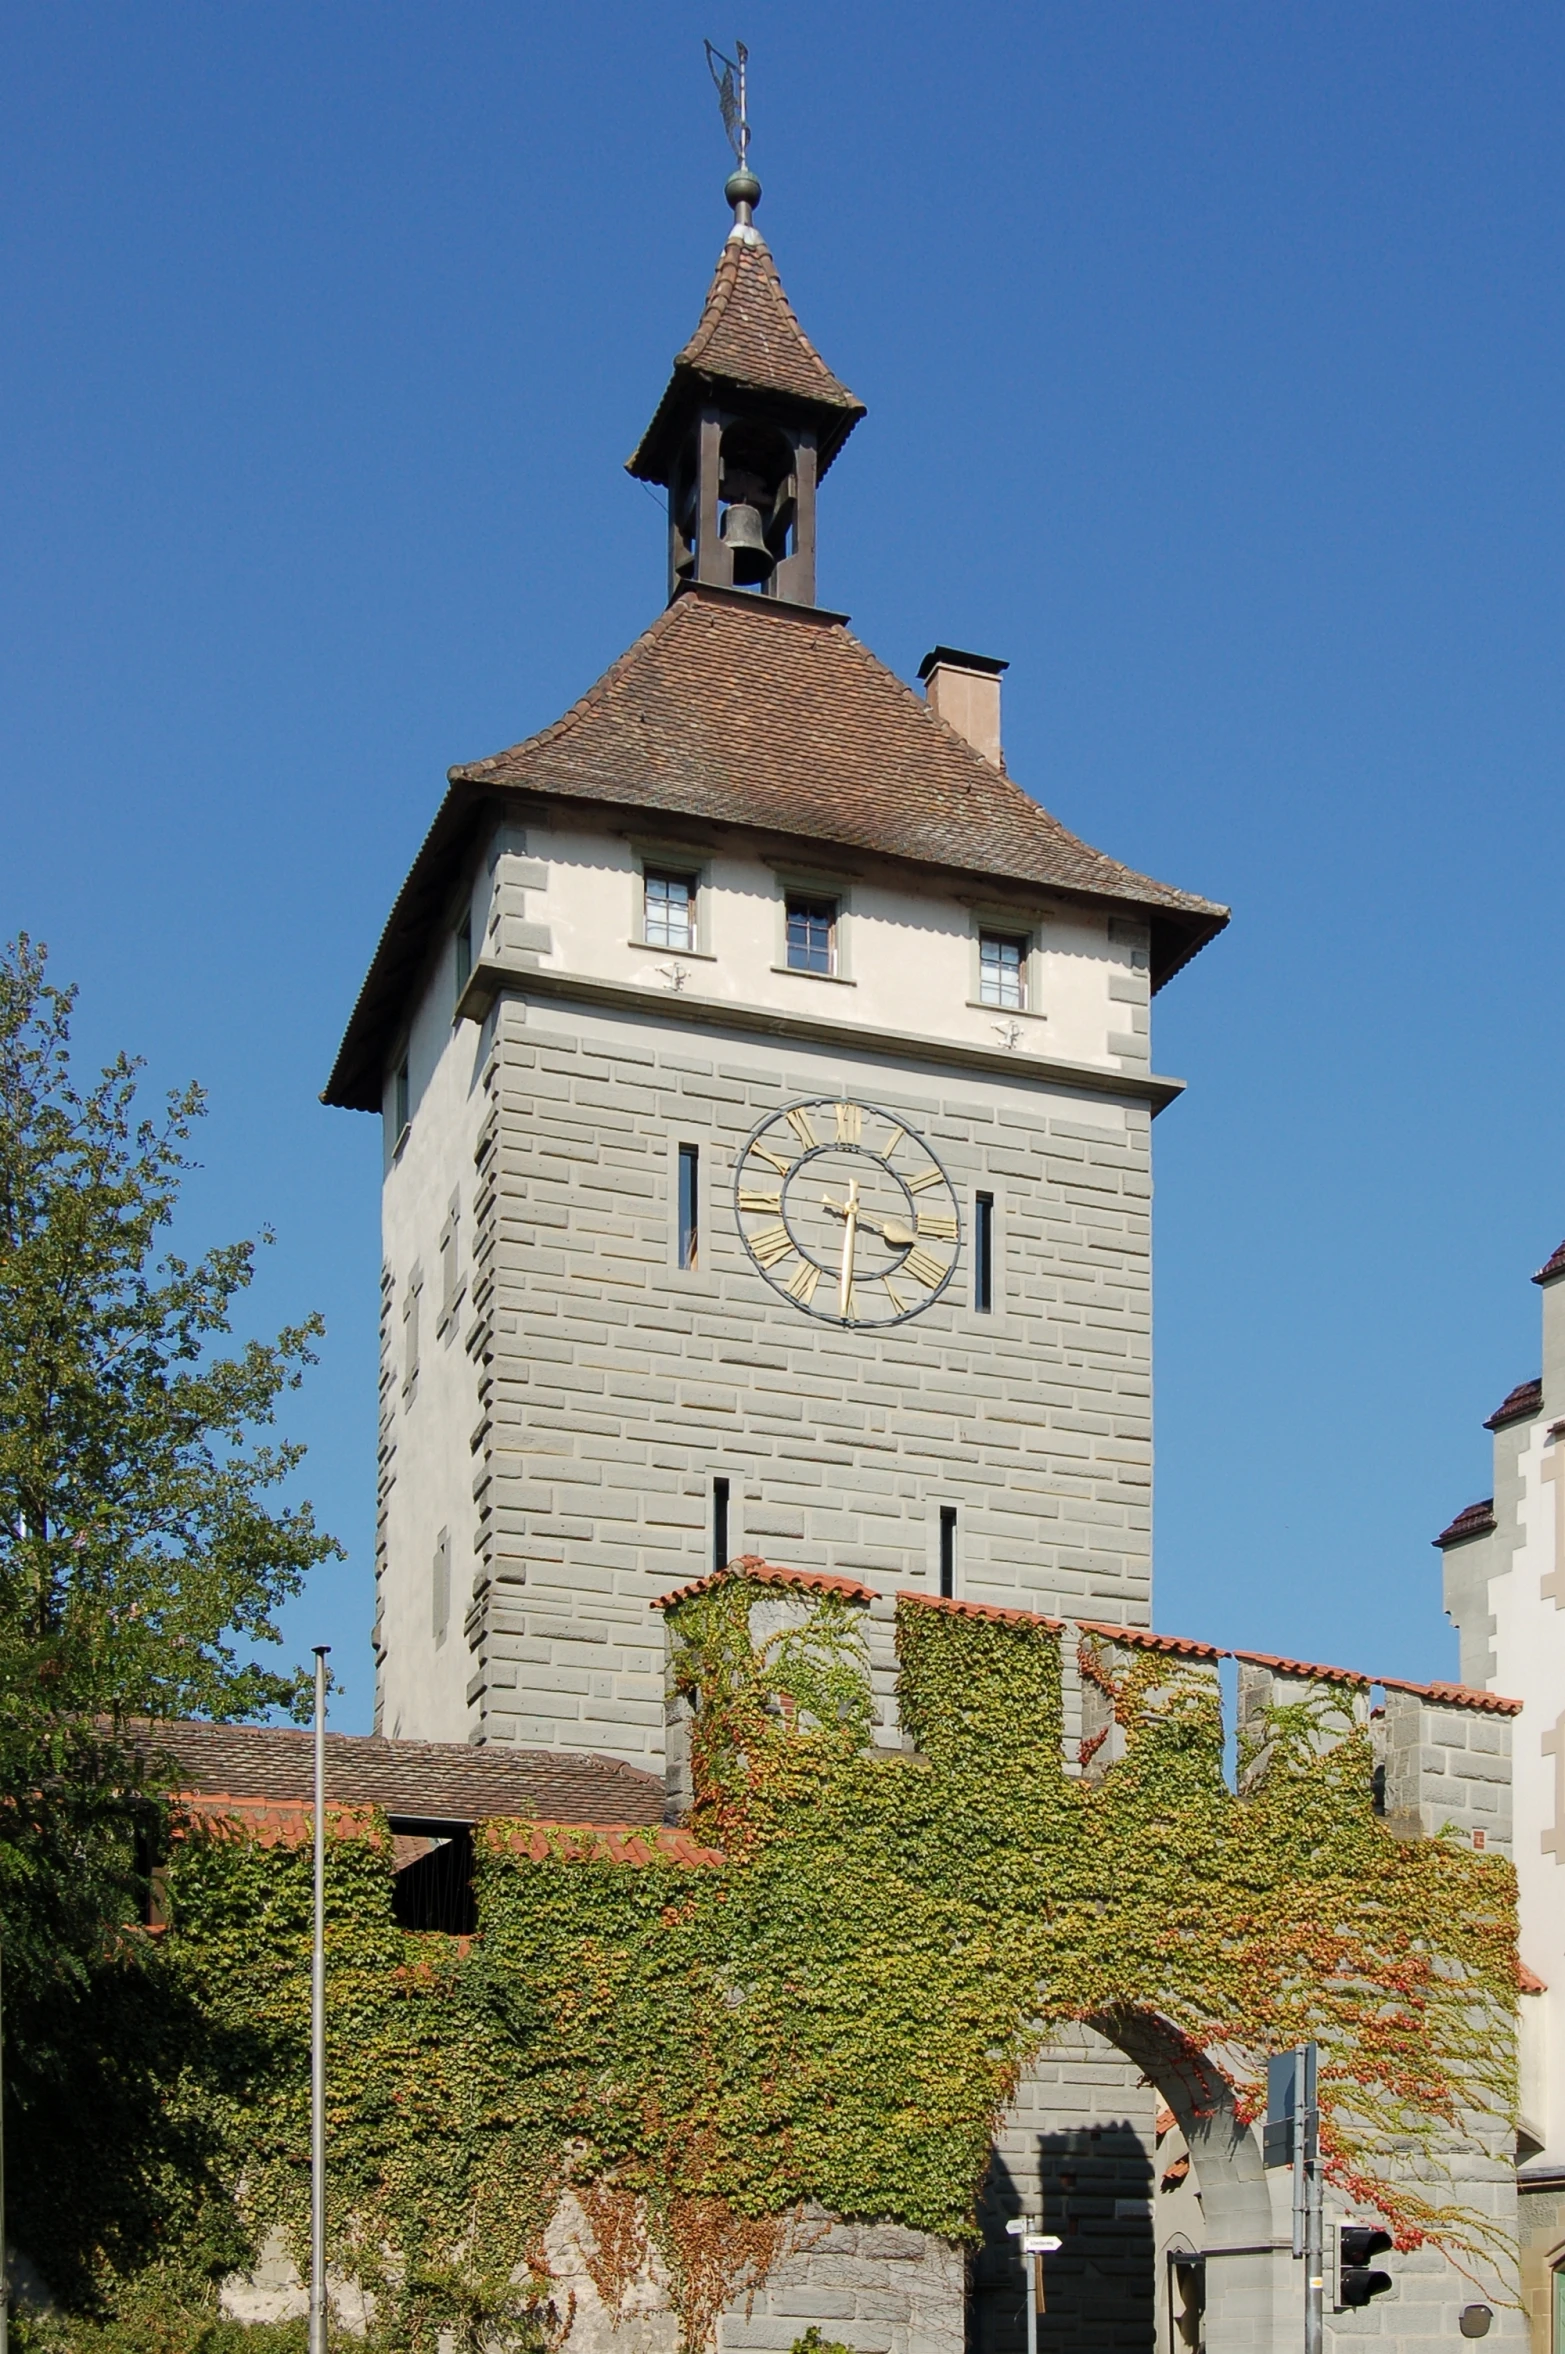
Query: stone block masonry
{"points": [[614, 1386]]}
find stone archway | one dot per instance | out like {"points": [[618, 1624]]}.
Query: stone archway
{"points": [[1078, 2147], [1239, 2241]]}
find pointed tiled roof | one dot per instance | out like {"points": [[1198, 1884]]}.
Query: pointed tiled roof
{"points": [[748, 341], [745, 711]]}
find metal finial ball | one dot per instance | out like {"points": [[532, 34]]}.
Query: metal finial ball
{"points": [[742, 187]]}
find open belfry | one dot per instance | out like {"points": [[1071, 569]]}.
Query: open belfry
{"points": [[767, 1093]]}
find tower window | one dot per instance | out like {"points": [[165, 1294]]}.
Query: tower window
{"points": [[670, 911], [1002, 971], [947, 1551], [689, 1205], [983, 1253], [440, 1588], [719, 1524], [812, 934], [464, 952], [402, 1100]]}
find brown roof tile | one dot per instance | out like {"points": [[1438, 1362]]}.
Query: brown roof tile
{"points": [[1474, 1520], [733, 708], [274, 1765], [1519, 1406], [737, 709], [748, 340], [1552, 1267]]}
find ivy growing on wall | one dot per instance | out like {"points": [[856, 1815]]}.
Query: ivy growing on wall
{"points": [[835, 2013]]}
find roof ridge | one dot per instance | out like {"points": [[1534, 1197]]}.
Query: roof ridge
{"points": [[467, 771], [987, 773]]}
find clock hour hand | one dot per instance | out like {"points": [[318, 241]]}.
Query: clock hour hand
{"points": [[896, 1231]]}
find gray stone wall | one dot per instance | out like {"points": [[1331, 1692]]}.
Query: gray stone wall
{"points": [[615, 1387], [1447, 1765], [1541, 2207], [1076, 2148]]}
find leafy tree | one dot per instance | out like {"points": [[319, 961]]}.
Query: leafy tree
{"points": [[144, 1548]]}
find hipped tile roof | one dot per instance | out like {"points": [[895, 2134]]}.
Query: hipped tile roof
{"points": [[1519, 1406], [1553, 1266], [736, 709], [748, 341], [733, 708], [437, 1781]]}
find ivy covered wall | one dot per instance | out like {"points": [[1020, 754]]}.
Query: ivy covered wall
{"points": [[833, 2008]]}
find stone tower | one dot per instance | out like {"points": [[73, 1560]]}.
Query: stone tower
{"points": [[766, 1088]]}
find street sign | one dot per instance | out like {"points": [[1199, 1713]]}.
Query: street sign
{"points": [[1039, 2243]]}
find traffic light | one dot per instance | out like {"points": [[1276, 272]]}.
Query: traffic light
{"points": [[1357, 2280]]}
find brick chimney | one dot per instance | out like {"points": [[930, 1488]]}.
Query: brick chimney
{"points": [[965, 690]]}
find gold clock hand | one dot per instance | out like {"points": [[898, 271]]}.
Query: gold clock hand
{"points": [[850, 1228]]}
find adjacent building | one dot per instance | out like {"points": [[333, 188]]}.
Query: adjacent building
{"points": [[1504, 1565]]}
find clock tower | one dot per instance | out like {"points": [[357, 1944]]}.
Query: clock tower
{"points": [[766, 1089]]}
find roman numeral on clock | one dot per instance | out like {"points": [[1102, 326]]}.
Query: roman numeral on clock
{"points": [[924, 1268], [924, 1179], [934, 1222], [750, 1199], [771, 1244]]}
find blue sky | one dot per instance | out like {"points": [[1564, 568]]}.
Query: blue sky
{"points": [[1213, 359]]}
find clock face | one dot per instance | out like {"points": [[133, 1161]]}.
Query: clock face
{"points": [[847, 1212]]}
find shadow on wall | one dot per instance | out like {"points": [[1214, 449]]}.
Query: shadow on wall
{"points": [[1096, 2194]]}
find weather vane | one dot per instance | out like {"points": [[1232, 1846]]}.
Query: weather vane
{"points": [[729, 75]]}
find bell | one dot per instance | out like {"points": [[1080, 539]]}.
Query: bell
{"points": [[746, 543]]}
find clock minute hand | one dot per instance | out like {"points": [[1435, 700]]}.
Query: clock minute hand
{"points": [[849, 1213]]}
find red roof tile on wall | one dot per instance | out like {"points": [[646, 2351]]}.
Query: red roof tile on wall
{"points": [[1455, 1696], [1143, 1639], [766, 1573], [1474, 1520], [1307, 1670], [988, 1610], [1518, 1406]]}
